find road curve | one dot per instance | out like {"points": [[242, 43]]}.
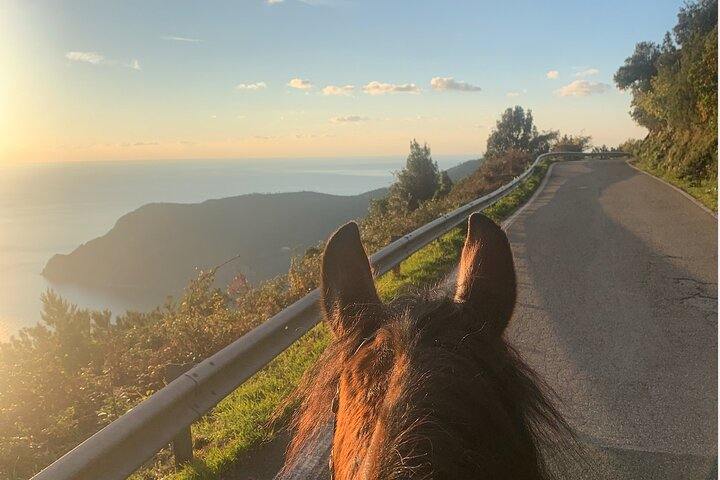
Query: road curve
{"points": [[617, 310]]}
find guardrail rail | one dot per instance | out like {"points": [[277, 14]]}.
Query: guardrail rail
{"points": [[122, 447]]}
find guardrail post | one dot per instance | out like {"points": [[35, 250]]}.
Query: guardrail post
{"points": [[396, 269], [182, 444]]}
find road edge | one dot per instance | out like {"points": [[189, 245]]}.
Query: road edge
{"points": [[510, 220], [677, 189]]}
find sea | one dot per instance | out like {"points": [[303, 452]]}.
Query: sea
{"points": [[49, 208]]}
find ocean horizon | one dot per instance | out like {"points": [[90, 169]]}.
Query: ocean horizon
{"points": [[49, 208]]}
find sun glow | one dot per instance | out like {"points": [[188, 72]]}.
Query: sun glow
{"points": [[6, 72]]}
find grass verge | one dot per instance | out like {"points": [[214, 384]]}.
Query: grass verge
{"points": [[240, 423], [705, 191]]}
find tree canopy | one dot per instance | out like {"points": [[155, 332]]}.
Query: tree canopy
{"points": [[418, 181], [571, 143], [674, 89], [639, 68], [516, 131]]}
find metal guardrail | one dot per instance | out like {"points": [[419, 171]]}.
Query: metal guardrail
{"points": [[122, 447]]}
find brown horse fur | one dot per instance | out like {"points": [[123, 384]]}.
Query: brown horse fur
{"points": [[427, 388]]}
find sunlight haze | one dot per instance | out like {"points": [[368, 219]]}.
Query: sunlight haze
{"points": [[99, 80]]}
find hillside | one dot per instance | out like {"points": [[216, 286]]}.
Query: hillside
{"points": [[463, 170], [159, 247], [162, 244]]}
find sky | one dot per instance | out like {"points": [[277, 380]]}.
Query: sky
{"points": [[191, 79]]}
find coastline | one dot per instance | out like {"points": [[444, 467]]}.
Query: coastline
{"points": [[75, 203]]}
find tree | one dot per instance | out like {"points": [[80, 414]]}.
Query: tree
{"points": [[665, 80], [695, 20], [572, 143], [445, 185], [516, 131], [674, 90], [631, 145], [417, 182], [639, 68]]}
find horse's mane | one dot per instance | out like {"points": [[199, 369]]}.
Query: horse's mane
{"points": [[439, 374]]}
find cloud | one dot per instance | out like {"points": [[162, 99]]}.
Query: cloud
{"points": [[171, 38], [95, 58], [139, 144], [89, 57], [333, 90], [273, 2], [299, 83], [349, 119], [587, 72], [252, 86], [552, 74], [582, 88], [377, 88], [443, 83]]}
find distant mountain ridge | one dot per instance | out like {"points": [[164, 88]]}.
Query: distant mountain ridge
{"points": [[160, 246]]}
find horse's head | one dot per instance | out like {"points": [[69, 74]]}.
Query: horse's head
{"points": [[425, 386]]}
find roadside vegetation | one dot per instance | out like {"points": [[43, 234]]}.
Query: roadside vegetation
{"points": [[674, 89], [78, 370]]}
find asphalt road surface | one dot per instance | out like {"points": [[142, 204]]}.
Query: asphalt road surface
{"points": [[617, 311]]}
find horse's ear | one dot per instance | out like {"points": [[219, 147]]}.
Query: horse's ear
{"points": [[348, 294], [486, 275]]}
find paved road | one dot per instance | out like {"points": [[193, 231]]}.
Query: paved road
{"points": [[618, 312]]}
